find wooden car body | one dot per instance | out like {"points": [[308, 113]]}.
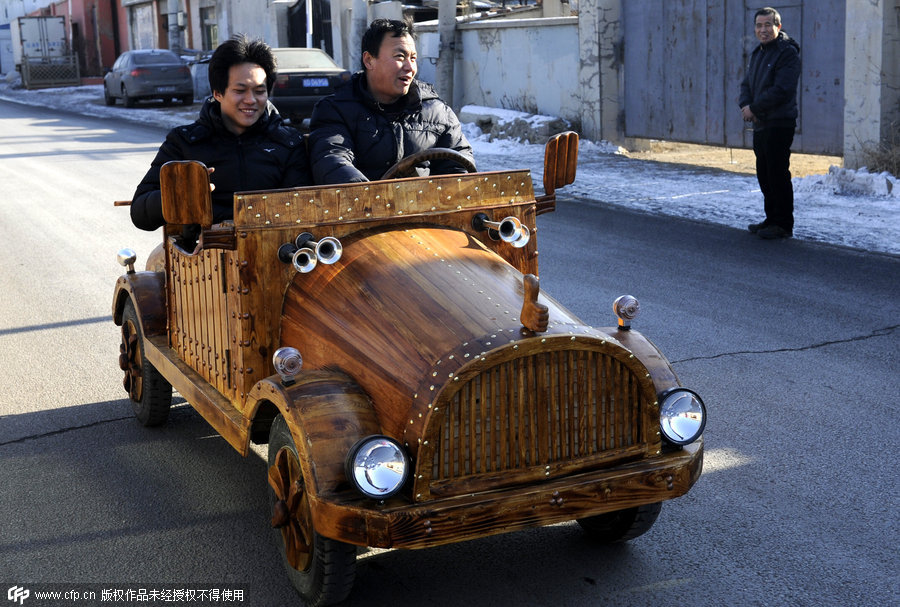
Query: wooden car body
{"points": [[419, 332]]}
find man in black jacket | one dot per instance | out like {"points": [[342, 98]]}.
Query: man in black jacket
{"points": [[769, 101], [382, 115], [239, 136]]}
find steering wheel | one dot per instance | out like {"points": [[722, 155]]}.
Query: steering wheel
{"points": [[404, 168]]}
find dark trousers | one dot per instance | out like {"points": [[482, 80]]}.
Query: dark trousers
{"points": [[772, 147]]}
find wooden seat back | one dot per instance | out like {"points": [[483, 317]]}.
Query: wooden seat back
{"points": [[185, 193], [560, 161]]}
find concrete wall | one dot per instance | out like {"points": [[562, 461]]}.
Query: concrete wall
{"points": [[253, 18], [506, 64], [872, 99]]}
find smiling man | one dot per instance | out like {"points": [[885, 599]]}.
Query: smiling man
{"points": [[239, 136], [383, 114], [768, 101]]}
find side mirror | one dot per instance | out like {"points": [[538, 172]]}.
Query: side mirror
{"points": [[185, 194]]}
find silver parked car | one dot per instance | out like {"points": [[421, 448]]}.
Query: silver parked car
{"points": [[148, 74]]}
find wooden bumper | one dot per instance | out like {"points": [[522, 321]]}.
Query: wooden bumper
{"points": [[395, 525]]}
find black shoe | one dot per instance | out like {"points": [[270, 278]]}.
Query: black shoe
{"points": [[756, 227], [773, 232]]}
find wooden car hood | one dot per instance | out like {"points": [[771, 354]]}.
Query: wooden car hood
{"points": [[400, 301]]}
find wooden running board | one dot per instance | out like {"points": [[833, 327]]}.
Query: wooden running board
{"points": [[215, 408]]}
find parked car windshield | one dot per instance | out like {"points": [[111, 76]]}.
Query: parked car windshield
{"points": [[155, 58], [301, 58]]}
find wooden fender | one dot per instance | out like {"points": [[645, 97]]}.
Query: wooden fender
{"points": [[327, 413], [148, 292]]}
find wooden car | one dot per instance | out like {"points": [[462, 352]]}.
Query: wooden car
{"points": [[390, 342]]}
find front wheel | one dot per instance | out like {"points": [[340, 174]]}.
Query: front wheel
{"points": [[621, 525], [150, 393], [322, 570], [107, 98]]}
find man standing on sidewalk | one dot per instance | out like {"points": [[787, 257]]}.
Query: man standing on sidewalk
{"points": [[769, 101]]}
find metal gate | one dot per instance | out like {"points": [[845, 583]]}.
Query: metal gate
{"points": [[684, 61]]}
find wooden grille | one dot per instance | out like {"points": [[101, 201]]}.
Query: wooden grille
{"points": [[538, 412]]}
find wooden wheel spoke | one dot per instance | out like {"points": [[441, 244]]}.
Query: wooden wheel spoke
{"points": [[276, 482], [291, 511], [295, 496], [130, 362], [297, 550], [123, 357], [304, 517]]}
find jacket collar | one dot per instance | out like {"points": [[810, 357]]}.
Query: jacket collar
{"points": [[412, 101], [211, 118]]}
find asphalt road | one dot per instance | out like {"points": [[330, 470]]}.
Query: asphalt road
{"points": [[794, 347]]}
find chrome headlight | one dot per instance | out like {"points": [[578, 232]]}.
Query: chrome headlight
{"points": [[378, 466], [682, 415]]}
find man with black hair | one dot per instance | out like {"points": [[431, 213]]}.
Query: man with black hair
{"points": [[382, 115], [239, 136], [768, 100]]}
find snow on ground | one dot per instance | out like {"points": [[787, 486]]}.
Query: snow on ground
{"points": [[848, 208]]}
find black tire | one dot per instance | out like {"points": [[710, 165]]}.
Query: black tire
{"points": [[149, 391], [126, 100], [107, 98], [187, 100], [621, 525], [331, 570]]}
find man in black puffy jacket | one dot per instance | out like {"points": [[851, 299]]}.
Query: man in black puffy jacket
{"points": [[769, 101], [382, 115], [239, 136]]}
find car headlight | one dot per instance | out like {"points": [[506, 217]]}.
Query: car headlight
{"points": [[378, 466], [682, 415]]}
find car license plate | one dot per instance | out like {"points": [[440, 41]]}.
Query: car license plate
{"points": [[165, 89], [315, 82]]}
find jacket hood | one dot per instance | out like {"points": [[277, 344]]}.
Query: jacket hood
{"points": [[781, 39]]}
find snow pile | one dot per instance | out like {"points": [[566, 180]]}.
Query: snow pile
{"points": [[847, 182], [510, 124]]}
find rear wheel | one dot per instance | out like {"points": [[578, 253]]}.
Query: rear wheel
{"points": [[187, 99], [128, 101], [150, 393], [621, 525], [321, 569]]}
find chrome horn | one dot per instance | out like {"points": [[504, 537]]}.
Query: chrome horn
{"points": [[328, 250], [305, 253], [510, 229], [304, 260]]}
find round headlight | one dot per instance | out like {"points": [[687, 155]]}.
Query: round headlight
{"points": [[378, 466], [682, 416]]}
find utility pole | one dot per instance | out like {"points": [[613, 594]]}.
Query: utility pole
{"points": [[176, 17], [358, 24], [309, 24], [446, 54]]}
